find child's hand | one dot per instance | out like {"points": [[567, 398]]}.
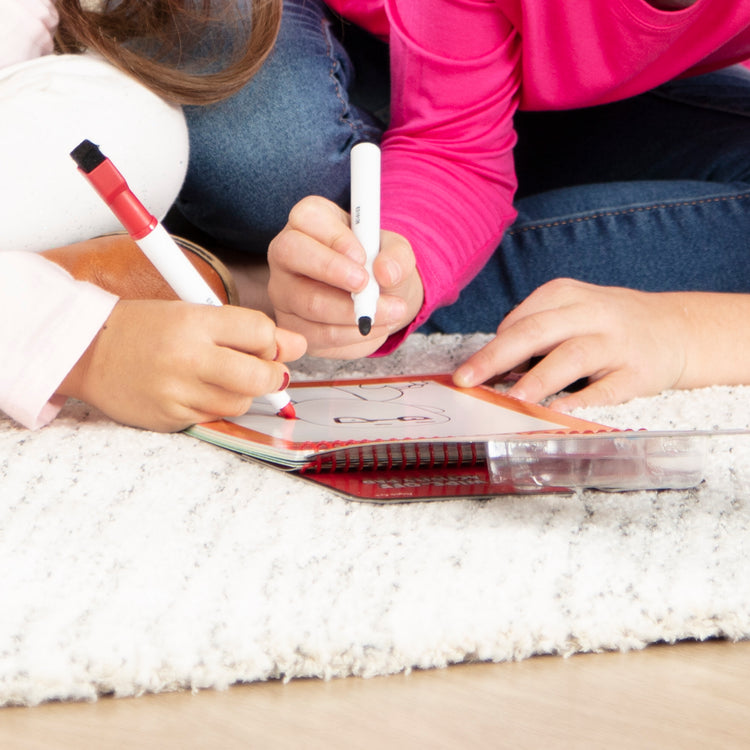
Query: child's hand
{"points": [[316, 263], [166, 365], [627, 343]]}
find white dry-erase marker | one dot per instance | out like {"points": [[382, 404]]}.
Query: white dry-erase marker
{"points": [[365, 211], [156, 243]]}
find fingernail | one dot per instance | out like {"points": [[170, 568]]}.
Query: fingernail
{"points": [[356, 253], [394, 272], [464, 376], [356, 278], [284, 381]]}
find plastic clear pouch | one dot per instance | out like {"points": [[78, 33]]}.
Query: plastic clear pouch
{"points": [[614, 461]]}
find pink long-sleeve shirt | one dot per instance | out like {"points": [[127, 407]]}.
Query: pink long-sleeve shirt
{"points": [[460, 69]]}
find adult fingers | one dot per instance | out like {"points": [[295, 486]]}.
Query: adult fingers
{"points": [[529, 336], [325, 222], [295, 253], [573, 359], [335, 341], [614, 388]]}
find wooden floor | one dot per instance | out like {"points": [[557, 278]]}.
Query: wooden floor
{"points": [[689, 695]]}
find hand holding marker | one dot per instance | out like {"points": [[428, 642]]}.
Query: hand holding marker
{"points": [[365, 213], [154, 240]]}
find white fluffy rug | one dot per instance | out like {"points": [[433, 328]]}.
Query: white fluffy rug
{"points": [[136, 562]]}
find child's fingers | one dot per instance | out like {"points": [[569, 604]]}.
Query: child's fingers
{"points": [[336, 341], [229, 380], [291, 345], [253, 332], [395, 261], [241, 329], [557, 294], [316, 303], [298, 254], [323, 221]]}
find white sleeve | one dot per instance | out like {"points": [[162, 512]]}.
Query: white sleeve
{"points": [[47, 107], [47, 320], [27, 28]]}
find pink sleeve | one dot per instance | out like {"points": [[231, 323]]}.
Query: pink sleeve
{"points": [[47, 321], [369, 14], [448, 177]]}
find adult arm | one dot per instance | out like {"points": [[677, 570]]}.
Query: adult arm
{"points": [[627, 343], [448, 177], [447, 185]]}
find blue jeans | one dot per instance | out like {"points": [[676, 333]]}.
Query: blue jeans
{"points": [[651, 193], [288, 133]]}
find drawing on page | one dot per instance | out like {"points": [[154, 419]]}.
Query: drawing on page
{"points": [[369, 405]]}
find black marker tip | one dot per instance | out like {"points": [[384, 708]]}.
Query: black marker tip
{"points": [[87, 156], [365, 325]]}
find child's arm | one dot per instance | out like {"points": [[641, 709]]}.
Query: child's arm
{"points": [[155, 364], [627, 343]]}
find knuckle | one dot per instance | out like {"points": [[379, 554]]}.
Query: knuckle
{"points": [[328, 338], [578, 354], [304, 210], [282, 250], [605, 393], [329, 265], [535, 383], [531, 328], [235, 407], [560, 288], [315, 305], [264, 329]]}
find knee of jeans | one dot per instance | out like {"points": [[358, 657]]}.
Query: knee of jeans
{"points": [[249, 165], [285, 135], [248, 181]]}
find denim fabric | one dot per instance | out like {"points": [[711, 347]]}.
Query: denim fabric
{"points": [[286, 135], [651, 193]]}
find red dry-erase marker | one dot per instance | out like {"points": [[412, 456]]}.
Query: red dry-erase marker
{"points": [[154, 240]]}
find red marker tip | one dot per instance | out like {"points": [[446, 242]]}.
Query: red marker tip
{"points": [[287, 412]]}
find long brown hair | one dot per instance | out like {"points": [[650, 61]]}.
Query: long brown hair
{"points": [[187, 51]]}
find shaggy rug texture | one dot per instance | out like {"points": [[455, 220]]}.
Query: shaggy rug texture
{"points": [[138, 562]]}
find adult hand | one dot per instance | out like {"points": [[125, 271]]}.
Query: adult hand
{"points": [[316, 262], [627, 343], [26, 29], [165, 365]]}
